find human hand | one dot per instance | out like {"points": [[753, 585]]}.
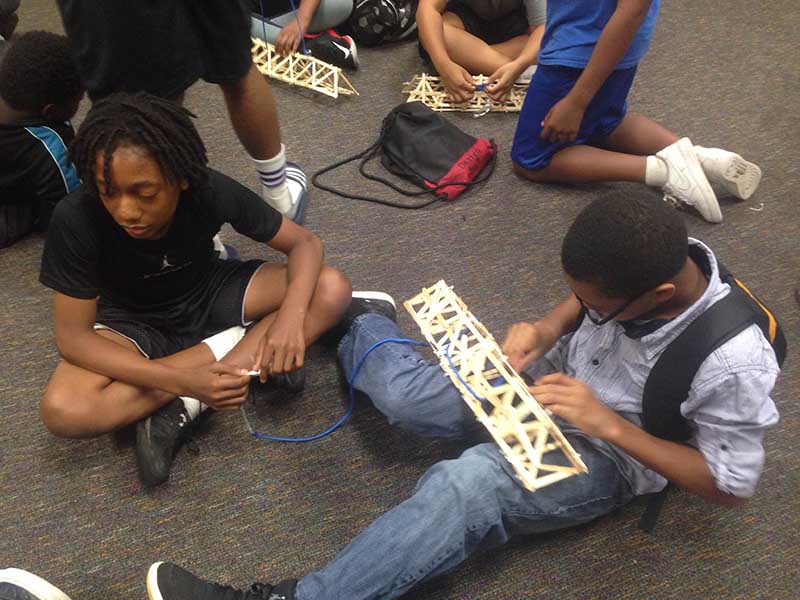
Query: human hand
{"points": [[220, 386], [574, 401], [282, 348], [525, 343], [457, 82], [502, 80], [288, 39], [563, 120]]}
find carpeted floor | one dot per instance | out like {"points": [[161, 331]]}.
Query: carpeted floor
{"points": [[723, 73]]}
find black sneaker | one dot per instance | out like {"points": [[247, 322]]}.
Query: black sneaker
{"points": [[332, 48], [166, 581], [379, 303], [16, 584], [158, 438], [292, 382]]}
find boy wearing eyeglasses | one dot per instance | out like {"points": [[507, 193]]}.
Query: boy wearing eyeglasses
{"points": [[642, 281]]}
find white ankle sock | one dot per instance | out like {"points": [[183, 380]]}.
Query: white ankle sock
{"points": [[655, 172], [272, 173], [220, 344]]}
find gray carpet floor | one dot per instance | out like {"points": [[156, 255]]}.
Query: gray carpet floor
{"points": [[722, 72]]}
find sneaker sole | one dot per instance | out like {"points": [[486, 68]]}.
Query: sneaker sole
{"points": [[741, 178], [37, 586], [376, 296], [152, 582]]}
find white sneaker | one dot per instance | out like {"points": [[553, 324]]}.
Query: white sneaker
{"points": [[298, 191], [686, 181], [730, 171], [14, 580]]}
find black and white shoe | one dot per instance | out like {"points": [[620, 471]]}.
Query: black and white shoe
{"points": [[332, 48], [158, 438], [379, 303], [167, 581], [297, 183], [16, 584], [291, 382]]}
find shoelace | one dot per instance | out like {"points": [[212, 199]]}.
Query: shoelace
{"points": [[673, 201]]}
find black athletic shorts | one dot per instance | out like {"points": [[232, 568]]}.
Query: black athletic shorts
{"points": [[159, 46], [492, 32], [217, 306]]}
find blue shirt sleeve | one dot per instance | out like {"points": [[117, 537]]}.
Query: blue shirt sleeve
{"points": [[730, 408]]}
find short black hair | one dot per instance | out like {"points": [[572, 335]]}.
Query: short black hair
{"points": [[625, 245], [38, 69], [161, 127]]}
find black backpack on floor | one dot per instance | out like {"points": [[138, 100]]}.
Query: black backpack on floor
{"points": [[424, 148]]}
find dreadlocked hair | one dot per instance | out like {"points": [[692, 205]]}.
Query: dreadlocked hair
{"points": [[161, 127]]}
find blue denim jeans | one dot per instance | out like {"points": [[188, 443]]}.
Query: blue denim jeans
{"points": [[459, 506]]}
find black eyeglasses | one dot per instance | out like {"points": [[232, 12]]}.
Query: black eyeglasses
{"points": [[614, 313]]}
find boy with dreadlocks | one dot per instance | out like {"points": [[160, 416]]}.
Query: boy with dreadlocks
{"points": [[149, 322], [39, 92], [165, 47]]}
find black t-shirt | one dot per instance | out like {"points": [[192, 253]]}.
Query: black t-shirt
{"points": [[33, 165], [88, 255]]}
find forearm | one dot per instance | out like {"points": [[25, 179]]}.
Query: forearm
{"points": [[306, 12], [563, 319], [303, 266], [431, 32], [93, 352], [530, 52], [681, 464], [612, 45]]}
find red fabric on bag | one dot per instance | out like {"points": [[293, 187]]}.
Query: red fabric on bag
{"points": [[466, 168]]}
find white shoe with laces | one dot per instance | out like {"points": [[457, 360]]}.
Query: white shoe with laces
{"points": [[686, 181]]}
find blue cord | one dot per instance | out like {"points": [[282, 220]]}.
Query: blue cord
{"points": [[265, 20], [349, 411]]}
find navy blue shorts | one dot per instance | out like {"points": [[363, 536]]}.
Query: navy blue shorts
{"points": [[549, 85]]}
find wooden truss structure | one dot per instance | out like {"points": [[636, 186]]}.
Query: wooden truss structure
{"points": [[429, 90], [496, 393], [301, 70]]}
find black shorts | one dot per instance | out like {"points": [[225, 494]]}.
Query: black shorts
{"points": [[492, 32], [159, 46], [218, 305]]}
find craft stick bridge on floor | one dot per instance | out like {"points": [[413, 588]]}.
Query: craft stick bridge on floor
{"points": [[472, 359], [301, 70], [430, 90]]}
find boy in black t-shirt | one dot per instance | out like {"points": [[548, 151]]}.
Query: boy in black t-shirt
{"points": [[39, 92], [131, 259]]}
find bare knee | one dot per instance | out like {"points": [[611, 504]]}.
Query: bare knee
{"points": [[63, 416], [529, 174], [333, 291]]}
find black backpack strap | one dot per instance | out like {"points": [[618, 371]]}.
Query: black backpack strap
{"points": [[655, 502], [669, 381]]}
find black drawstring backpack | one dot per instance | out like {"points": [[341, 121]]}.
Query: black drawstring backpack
{"points": [[422, 147]]}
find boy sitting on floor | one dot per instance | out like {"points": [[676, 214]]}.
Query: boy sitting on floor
{"points": [[138, 286], [573, 127], [463, 37], [643, 282], [39, 92]]}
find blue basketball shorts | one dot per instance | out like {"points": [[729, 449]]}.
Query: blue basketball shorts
{"points": [[550, 84]]}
